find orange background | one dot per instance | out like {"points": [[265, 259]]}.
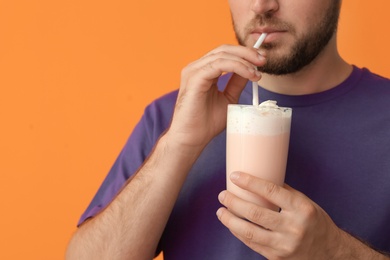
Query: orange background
{"points": [[72, 77]]}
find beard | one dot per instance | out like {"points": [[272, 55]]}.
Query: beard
{"points": [[305, 49]]}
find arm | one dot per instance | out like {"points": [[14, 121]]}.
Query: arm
{"points": [[142, 207], [131, 225], [301, 230], [353, 248]]}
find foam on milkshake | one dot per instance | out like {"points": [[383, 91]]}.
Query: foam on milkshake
{"points": [[266, 119]]}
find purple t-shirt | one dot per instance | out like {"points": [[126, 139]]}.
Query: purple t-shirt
{"points": [[339, 156]]}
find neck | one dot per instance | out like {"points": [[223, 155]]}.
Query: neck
{"points": [[323, 73]]}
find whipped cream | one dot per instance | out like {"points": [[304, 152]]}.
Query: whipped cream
{"points": [[267, 119], [269, 103]]}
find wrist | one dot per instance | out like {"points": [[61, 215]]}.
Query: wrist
{"points": [[351, 247], [175, 145]]}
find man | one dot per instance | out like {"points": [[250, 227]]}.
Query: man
{"points": [[334, 205]]}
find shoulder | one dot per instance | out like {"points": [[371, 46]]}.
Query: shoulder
{"points": [[373, 91], [372, 88], [373, 79]]}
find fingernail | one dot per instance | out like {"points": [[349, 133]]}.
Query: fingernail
{"points": [[261, 53], [260, 57], [221, 196], [219, 213], [234, 175]]}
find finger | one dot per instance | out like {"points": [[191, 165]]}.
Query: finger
{"points": [[247, 232], [236, 83], [247, 59], [263, 217], [248, 54], [234, 87], [250, 59], [266, 251], [215, 68], [235, 59], [270, 191]]}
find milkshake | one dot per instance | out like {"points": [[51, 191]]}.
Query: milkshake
{"points": [[257, 144]]}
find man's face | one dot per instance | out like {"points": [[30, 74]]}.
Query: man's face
{"points": [[297, 30]]}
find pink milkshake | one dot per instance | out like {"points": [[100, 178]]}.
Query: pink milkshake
{"points": [[257, 144]]}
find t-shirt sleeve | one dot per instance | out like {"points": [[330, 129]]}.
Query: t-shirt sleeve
{"points": [[153, 123]]}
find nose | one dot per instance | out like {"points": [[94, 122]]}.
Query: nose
{"points": [[264, 7]]}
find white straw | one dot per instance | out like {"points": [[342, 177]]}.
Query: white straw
{"points": [[260, 41], [255, 92], [255, 86]]}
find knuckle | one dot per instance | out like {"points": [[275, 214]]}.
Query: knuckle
{"points": [[224, 47], [273, 222], [271, 189], [185, 71], [207, 66], [255, 214], [308, 211], [219, 59], [217, 56], [298, 234], [221, 53], [287, 250], [248, 234]]}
